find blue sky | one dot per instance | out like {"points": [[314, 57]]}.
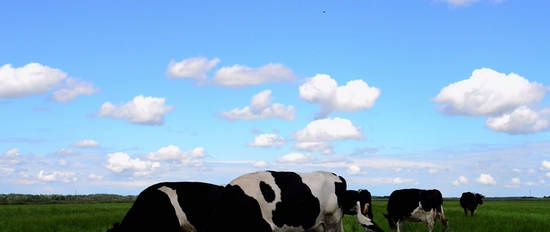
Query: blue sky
{"points": [[109, 97]]}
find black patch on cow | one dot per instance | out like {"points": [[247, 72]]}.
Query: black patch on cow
{"points": [[298, 206], [267, 192], [237, 211], [152, 211]]}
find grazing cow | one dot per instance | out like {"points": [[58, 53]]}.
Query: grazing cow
{"points": [[260, 201], [415, 205], [469, 202], [313, 201]]}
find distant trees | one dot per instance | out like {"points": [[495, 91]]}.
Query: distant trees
{"points": [[57, 198]]}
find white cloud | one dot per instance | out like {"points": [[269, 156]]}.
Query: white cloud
{"points": [[10, 157], [522, 120], [267, 140], [72, 89], [354, 170], [66, 177], [354, 96], [328, 130], [260, 164], [295, 158], [32, 78], [460, 181], [261, 107], [467, 2], [323, 147], [87, 143], [488, 92], [141, 110], [238, 75], [171, 152], [119, 162], [193, 68], [545, 165], [486, 179], [11, 153]]}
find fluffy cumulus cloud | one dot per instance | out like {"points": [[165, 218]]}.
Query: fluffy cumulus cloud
{"points": [[141, 110], [328, 130], [503, 98], [197, 68], [295, 158], [72, 89], [486, 179], [261, 107], [174, 153], [192, 68], [323, 90], [35, 78], [460, 181], [522, 120], [87, 143], [57, 176], [267, 140], [238, 75], [488, 92], [318, 133], [119, 162]]}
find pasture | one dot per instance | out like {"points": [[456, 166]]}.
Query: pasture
{"points": [[494, 215]]}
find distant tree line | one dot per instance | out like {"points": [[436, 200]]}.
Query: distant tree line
{"points": [[57, 198]]}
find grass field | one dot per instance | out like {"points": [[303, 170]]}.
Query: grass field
{"points": [[494, 215]]}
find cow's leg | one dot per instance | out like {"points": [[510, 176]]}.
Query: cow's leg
{"points": [[430, 219], [443, 219], [466, 211], [398, 225]]}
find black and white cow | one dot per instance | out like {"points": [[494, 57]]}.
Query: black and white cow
{"points": [[469, 202], [260, 201], [313, 201], [415, 205]]}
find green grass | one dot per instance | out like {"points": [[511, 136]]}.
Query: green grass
{"points": [[61, 217], [494, 215]]}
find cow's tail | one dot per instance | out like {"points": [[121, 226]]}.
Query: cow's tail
{"points": [[186, 226]]}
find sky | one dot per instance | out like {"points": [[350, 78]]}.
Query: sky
{"points": [[113, 96]]}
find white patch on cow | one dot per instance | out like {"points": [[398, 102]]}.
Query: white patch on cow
{"points": [[428, 217], [182, 218]]}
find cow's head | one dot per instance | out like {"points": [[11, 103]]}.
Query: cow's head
{"points": [[363, 197], [479, 198]]}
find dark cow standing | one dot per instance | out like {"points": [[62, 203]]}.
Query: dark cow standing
{"points": [[415, 205], [469, 202], [260, 201]]}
